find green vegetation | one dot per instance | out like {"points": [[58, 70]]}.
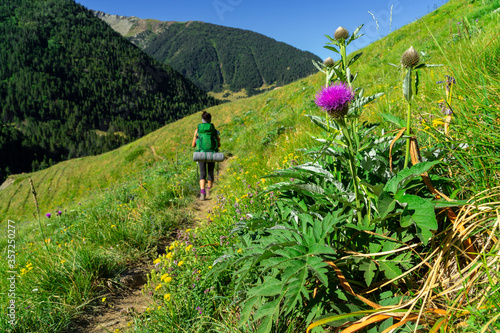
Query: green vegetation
{"points": [[65, 74], [284, 249]]}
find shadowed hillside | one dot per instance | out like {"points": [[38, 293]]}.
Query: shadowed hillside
{"points": [[70, 86]]}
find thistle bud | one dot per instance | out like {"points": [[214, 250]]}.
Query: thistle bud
{"points": [[341, 33], [328, 62], [410, 58]]}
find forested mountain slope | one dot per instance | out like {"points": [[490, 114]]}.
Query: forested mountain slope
{"points": [[215, 57], [70, 86]]}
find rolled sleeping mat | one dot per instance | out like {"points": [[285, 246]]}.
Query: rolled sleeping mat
{"points": [[200, 156]]}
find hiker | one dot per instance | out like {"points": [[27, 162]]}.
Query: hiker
{"points": [[206, 139]]}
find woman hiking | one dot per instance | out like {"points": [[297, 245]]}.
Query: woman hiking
{"points": [[206, 139]]}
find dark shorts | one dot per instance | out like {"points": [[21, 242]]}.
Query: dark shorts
{"points": [[204, 167]]}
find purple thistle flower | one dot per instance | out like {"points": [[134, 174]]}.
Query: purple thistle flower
{"points": [[48, 215], [59, 212], [335, 99], [200, 310]]}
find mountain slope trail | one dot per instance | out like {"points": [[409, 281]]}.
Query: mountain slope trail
{"points": [[126, 299]]}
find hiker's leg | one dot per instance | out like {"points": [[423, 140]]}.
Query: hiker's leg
{"points": [[203, 174], [210, 167]]}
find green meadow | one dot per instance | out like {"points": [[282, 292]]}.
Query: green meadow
{"points": [[316, 224]]}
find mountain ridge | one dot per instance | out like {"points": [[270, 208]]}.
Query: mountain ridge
{"points": [[216, 58]]}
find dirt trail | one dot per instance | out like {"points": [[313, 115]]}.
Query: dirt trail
{"points": [[127, 299]]}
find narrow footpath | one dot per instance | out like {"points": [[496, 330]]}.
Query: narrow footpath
{"points": [[126, 298]]}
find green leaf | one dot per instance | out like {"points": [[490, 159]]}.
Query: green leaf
{"points": [[385, 204], [386, 294], [247, 310], [407, 85], [354, 59], [406, 175], [406, 219], [332, 40], [393, 119], [404, 260], [390, 269], [374, 247], [319, 121], [266, 325], [268, 311], [317, 266], [427, 66], [416, 82], [423, 215], [290, 252], [369, 268], [295, 289], [340, 294], [355, 35], [361, 101], [331, 48], [318, 249], [317, 65]]}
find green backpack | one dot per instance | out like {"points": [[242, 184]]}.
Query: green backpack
{"points": [[207, 138]]}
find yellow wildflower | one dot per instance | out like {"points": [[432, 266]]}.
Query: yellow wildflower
{"points": [[180, 263], [188, 248], [158, 287], [167, 297], [157, 261], [165, 278], [103, 299], [239, 250], [169, 255]]}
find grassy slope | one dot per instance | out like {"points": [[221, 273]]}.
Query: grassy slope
{"points": [[76, 180]]}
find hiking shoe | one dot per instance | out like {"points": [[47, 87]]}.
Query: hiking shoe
{"points": [[202, 196]]}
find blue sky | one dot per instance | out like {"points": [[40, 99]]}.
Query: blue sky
{"points": [[301, 24]]}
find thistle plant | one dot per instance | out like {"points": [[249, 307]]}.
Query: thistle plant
{"points": [[409, 65], [341, 103], [334, 100]]}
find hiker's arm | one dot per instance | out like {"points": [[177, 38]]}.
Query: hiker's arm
{"points": [[193, 144], [218, 141]]}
